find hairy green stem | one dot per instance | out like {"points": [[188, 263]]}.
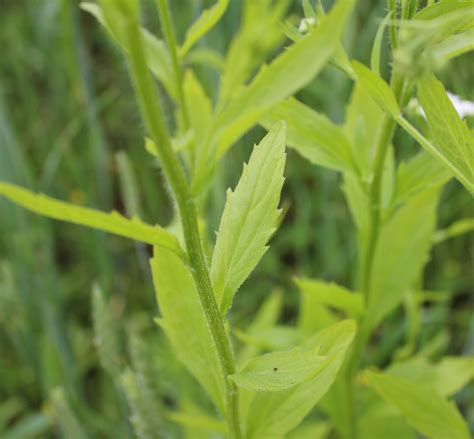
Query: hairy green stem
{"points": [[178, 181], [169, 34]]}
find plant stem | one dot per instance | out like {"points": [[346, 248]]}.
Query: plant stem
{"points": [[178, 181], [167, 24], [375, 202]]}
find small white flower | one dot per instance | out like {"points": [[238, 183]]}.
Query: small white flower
{"points": [[463, 108], [306, 24]]}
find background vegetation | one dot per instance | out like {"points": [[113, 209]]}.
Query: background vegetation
{"points": [[67, 115]]}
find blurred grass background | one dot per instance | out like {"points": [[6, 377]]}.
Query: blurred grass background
{"points": [[66, 110]]}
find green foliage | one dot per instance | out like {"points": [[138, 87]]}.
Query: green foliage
{"points": [[280, 370], [422, 406], [109, 222], [233, 355], [312, 134], [273, 414], [409, 242], [184, 322], [451, 135], [250, 217], [206, 21]]}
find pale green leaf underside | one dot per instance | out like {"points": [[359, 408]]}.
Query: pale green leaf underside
{"points": [[313, 135], [280, 370], [451, 136], [377, 88], [108, 222], [185, 324], [273, 414], [249, 217], [422, 406], [206, 21], [333, 295]]}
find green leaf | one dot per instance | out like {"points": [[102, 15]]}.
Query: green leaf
{"points": [[447, 377], [265, 318], [422, 406], [250, 216], [312, 134], [108, 222], [363, 118], [157, 56], [333, 295], [454, 46], [418, 174], [280, 370], [289, 72], [451, 135], [206, 21], [381, 420], [377, 46], [311, 430], [198, 421], [458, 228], [185, 324], [273, 414], [377, 88], [408, 241], [198, 104]]}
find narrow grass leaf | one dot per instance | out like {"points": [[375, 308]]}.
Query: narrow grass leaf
{"points": [[108, 222], [250, 216]]}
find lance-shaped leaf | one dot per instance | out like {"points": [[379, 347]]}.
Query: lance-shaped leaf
{"points": [[273, 414], [289, 72], [280, 370], [333, 295], [285, 75], [401, 253], [313, 135], [451, 136], [250, 216], [422, 406], [418, 174], [185, 324], [206, 21], [108, 222], [377, 88]]}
